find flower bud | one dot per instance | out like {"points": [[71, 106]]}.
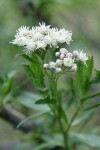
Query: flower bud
{"points": [[58, 70], [63, 51], [69, 55], [62, 56], [45, 66], [57, 54]]}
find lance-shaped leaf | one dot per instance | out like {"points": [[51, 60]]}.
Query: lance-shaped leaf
{"points": [[31, 117], [26, 57], [88, 72], [45, 100], [92, 107], [80, 78], [90, 97]]}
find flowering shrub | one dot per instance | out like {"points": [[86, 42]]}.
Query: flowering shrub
{"points": [[48, 61]]}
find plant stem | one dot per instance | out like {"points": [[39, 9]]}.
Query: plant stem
{"points": [[66, 147]]}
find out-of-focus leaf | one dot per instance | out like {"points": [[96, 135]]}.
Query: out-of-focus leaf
{"points": [[97, 77], [6, 87], [28, 99], [31, 117], [42, 146], [81, 119], [88, 139], [45, 100], [50, 142], [1, 80], [90, 97], [92, 107]]}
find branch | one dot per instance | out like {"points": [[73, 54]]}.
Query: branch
{"points": [[14, 117]]}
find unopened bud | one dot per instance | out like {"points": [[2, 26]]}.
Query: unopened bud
{"points": [[45, 66]]}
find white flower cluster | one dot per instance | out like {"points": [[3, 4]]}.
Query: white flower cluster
{"points": [[41, 37], [66, 61]]}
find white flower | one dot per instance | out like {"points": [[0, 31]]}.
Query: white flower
{"points": [[59, 62], [75, 53], [52, 65], [43, 36], [63, 51], [74, 67], [68, 62], [40, 44], [58, 70], [82, 57]]}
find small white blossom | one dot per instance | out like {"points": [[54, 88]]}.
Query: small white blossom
{"points": [[82, 57], [59, 62], [52, 65], [68, 62]]}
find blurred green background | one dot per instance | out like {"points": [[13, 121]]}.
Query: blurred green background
{"points": [[80, 16]]}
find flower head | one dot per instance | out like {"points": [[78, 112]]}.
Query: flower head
{"points": [[40, 37]]}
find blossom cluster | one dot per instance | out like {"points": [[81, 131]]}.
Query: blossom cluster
{"points": [[41, 37], [66, 61]]}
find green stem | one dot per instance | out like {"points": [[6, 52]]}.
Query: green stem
{"points": [[66, 147]]}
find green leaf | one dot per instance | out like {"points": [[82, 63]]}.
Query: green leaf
{"points": [[80, 78], [92, 107], [83, 76], [89, 97], [29, 71], [62, 114], [88, 139], [81, 119], [26, 57], [45, 100], [88, 72], [31, 117], [35, 71]]}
